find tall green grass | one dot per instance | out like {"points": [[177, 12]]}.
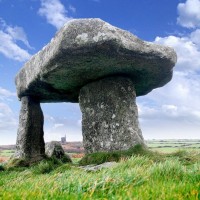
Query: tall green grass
{"points": [[101, 157], [137, 177]]}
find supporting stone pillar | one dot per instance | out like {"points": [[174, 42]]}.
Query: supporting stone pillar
{"points": [[30, 142], [109, 115]]}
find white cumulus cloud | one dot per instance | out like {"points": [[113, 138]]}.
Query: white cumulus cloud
{"points": [[9, 36], [55, 12], [67, 123], [58, 125], [4, 93], [173, 110], [195, 37], [189, 14], [187, 51], [7, 118], [72, 8], [17, 33]]}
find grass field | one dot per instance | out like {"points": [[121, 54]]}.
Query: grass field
{"points": [[167, 146], [6, 153], [147, 176]]}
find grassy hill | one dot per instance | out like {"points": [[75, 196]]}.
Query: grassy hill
{"points": [[144, 175]]}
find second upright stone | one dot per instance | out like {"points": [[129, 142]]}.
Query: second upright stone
{"points": [[109, 115]]}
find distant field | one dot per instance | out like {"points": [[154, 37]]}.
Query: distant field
{"points": [[76, 148], [167, 146], [6, 153]]}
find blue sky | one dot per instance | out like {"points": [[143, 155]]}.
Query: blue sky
{"points": [[172, 111]]}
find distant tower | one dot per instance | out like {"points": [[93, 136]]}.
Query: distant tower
{"points": [[63, 140]]}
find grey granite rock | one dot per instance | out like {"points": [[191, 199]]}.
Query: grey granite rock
{"points": [[103, 68], [109, 115], [30, 142], [85, 50], [54, 149]]}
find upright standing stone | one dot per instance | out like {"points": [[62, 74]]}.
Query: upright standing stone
{"points": [[109, 115], [30, 143]]}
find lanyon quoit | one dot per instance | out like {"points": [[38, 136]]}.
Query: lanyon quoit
{"points": [[101, 67]]}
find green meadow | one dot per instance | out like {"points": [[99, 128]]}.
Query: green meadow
{"points": [[167, 146], [139, 174], [6, 153]]}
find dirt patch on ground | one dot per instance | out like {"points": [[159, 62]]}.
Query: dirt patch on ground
{"points": [[3, 159], [80, 155]]}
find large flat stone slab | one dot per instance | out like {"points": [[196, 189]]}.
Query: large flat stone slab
{"points": [[86, 50]]}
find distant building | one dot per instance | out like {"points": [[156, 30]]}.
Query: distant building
{"points": [[63, 140]]}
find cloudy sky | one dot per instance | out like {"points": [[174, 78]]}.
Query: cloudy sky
{"points": [[169, 112]]}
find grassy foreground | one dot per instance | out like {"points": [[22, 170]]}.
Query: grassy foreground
{"points": [[176, 176]]}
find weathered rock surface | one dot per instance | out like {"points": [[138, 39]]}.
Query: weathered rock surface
{"points": [[30, 142], [54, 149], [85, 50], [109, 115], [103, 68]]}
